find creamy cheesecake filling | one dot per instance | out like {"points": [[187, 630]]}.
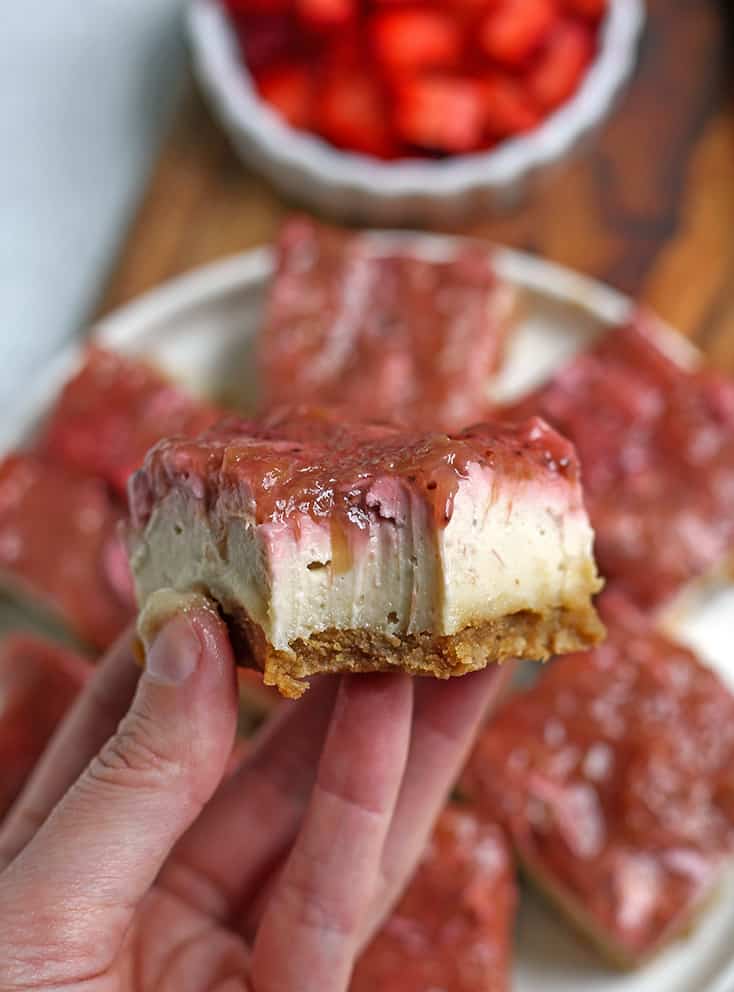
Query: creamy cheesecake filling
{"points": [[511, 548], [505, 548]]}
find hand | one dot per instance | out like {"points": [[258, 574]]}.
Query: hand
{"points": [[130, 863]]}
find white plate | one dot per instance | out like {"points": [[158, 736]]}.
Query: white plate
{"points": [[200, 328]]}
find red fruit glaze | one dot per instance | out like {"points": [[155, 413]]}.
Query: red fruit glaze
{"points": [[614, 776], [657, 447], [405, 339], [38, 683], [452, 929], [112, 411], [308, 461], [59, 545]]}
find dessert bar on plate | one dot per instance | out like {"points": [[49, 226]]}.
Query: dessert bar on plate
{"points": [[452, 928], [112, 411], [62, 504], [60, 547], [394, 335], [656, 444], [614, 775], [338, 546], [38, 682]]}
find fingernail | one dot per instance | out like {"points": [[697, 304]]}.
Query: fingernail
{"points": [[175, 652]]}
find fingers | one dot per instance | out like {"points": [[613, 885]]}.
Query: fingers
{"points": [[447, 716], [310, 929], [97, 854], [92, 720], [220, 863]]}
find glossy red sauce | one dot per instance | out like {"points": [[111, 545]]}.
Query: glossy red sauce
{"points": [[397, 338], [656, 443], [38, 683], [112, 411], [452, 929], [309, 461], [615, 775], [59, 544]]}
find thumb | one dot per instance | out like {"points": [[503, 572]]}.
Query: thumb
{"points": [[96, 856]]}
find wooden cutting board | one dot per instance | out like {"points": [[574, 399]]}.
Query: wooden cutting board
{"points": [[647, 205]]}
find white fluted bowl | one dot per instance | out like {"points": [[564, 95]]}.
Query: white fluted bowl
{"points": [[346, 184]]}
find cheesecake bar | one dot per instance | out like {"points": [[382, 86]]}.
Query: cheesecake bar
{"points": [[656, 443], [398, 337], [452, 928], [38, 683], [614, 776], [337, 546], [61, 550], [112, 411]]}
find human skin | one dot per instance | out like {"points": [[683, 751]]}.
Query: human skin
{"points": [[132, 863]]}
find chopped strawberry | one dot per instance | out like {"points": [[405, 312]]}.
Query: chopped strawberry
{"points": [[351, 113], [472, 8], [326, 13], [511, 33], [561, 64], [442, 113], [508, 108], [265, 39], [289, 90], [592, 10], [345, 52], [462, 74], [415, 38]]}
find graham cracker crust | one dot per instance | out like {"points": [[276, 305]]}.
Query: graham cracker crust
{"points": [[614, 952], [525, 634]]}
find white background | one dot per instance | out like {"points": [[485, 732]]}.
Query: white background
{"points": [[86, 90]]}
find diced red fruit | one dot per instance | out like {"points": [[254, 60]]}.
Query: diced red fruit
{"points": [[592, 10], [441, 113], [265, 39], [326, 13], [414, 38], [415, 46], [467, 9], [39, 681], [351, 113], [345, 53], [289, 90], [511, 33], [561, 64], [508, 109]]}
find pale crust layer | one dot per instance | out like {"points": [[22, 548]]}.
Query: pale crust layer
{"points": [[613, 951], [525, 634]]}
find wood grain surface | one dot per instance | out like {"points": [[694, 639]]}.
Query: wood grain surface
{"points": [[647, 204]]}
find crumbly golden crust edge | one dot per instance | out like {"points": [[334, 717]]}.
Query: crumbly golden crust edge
{"points": [[525, 634]]}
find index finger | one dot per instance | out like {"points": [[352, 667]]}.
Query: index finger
{"points": [[311, 927]]}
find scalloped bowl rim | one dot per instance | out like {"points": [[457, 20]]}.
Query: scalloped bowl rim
{"points": [[222, 72]]}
